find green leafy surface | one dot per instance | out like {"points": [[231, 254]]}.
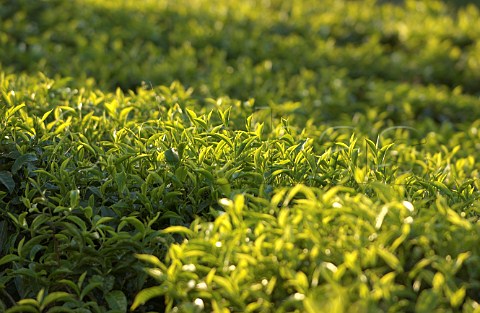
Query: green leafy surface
{"points": [[239, 156]]}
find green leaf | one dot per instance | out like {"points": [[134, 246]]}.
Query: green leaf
{"points": [[202, 123], [63, 166], [53, 297], [121, 180], [89, 287], [171, 155], [22, 308], [302, 281], [45, 115], [12, 111], [224, 185], [207, 174], [147, 294], [442, 187], [457, 220], [390, 259], [70, 284], [312, 306], [116, 300], [124, 113], [181, 173], [191, 114], [372, 145], [225, 284], [103, 220], [136, 223], [78, 221], [150, 259], [63, 309], [74, 198], [9, 258], [170, 214], [7, 180], [21, 160], [223, 137], [25, 250], [427, 301], [178, 229], [359, 175], [457, 297]]}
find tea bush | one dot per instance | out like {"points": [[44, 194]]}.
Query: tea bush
{"points": [[260, 49], [242, 156]]}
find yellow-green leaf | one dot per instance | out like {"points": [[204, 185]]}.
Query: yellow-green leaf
{"points": [[146, 294]]}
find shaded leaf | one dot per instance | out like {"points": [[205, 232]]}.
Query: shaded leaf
{"points": [[7, 180], [116, 300], [21, 160]]}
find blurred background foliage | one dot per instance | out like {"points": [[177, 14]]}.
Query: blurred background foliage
{"points": [[174, 128], [325, 58]]}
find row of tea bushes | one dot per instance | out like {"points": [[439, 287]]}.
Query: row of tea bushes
{"points": [[233, 48], [89, 179]]}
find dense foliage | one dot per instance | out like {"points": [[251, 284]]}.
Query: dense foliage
{"points": [[239, 156]]}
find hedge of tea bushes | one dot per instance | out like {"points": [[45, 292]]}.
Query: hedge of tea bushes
{"points": [[243, 49], [335, 251], [244, 156], [92, 179]]}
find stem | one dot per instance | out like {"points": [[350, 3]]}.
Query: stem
{"points": [[9, 297]]}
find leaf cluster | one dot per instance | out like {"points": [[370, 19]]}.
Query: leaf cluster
{"points": [[239, 156]]}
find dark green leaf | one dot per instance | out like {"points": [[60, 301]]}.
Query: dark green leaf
{"points": [[7, 180], [171, 155], [116, 300], [22, 160]]}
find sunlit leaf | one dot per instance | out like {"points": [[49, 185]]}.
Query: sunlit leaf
{"points": [[146, 294]]}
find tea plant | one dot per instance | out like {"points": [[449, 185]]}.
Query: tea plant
{"points": [[312, 250], [241, 156]]}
